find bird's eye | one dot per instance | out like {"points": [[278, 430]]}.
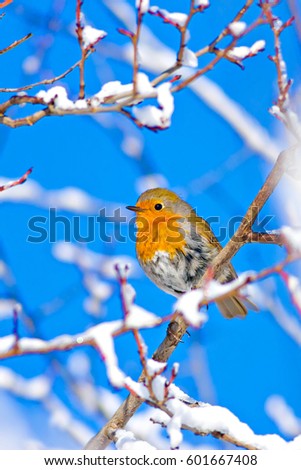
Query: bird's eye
{"points": [[158, 206]]}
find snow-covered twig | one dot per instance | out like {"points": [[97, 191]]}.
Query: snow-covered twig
{"points": [[125, 440], [203, 419], [282, 108], [152, 117], [9, 347], [179, 412]]}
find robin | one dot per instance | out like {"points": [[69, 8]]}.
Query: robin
{"points": [[174, 247]]}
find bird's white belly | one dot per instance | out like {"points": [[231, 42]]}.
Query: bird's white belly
{"points": [[168, 275]]}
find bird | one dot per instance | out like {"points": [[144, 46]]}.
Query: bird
{"points": [[174, 247]]}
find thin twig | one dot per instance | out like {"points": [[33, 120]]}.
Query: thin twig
{"points": [[79, 32], [15, 43], [135, 39], [184, 30], [219, 54], [209, 48], [17, 182], [48, 81]]}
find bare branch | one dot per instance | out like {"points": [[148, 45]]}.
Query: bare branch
{"points": [[48, 81], [20, 180], [15, 44]]}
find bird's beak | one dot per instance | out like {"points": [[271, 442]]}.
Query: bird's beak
{"points": [[135, 208]]}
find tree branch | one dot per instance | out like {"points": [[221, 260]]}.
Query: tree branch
{"points": [[244, 231], [20, 180], [15, 44], [175, 331], [177, 327]]}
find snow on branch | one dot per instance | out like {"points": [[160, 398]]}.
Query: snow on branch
{"points": [[121, 99], [180, 412], [25, 345], [125, 440], [203, 419]]}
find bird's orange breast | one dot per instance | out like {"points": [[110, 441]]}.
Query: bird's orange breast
{"points": [[160, 232]]}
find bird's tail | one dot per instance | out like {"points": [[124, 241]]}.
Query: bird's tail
{"points": [[232, 307]]}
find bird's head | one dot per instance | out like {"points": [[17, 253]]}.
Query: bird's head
{"points": [[161, 202]]}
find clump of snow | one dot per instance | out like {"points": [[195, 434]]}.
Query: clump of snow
{"points": [[92, 35], [258, 46], [159, 387], [127, 441], [143, 5], [237, 28], [138, 388], [110, 89], [116, 87], [189, 58], [166, 100], [138, 318], [201, 3], [189, 303], [154, 367], [188, 306], [81, 104], [239, 53], [176, 18], [102, 334], [153, 117], [149, 116], [58, 95], [174, 431], [143, 84], [242, 52]]}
